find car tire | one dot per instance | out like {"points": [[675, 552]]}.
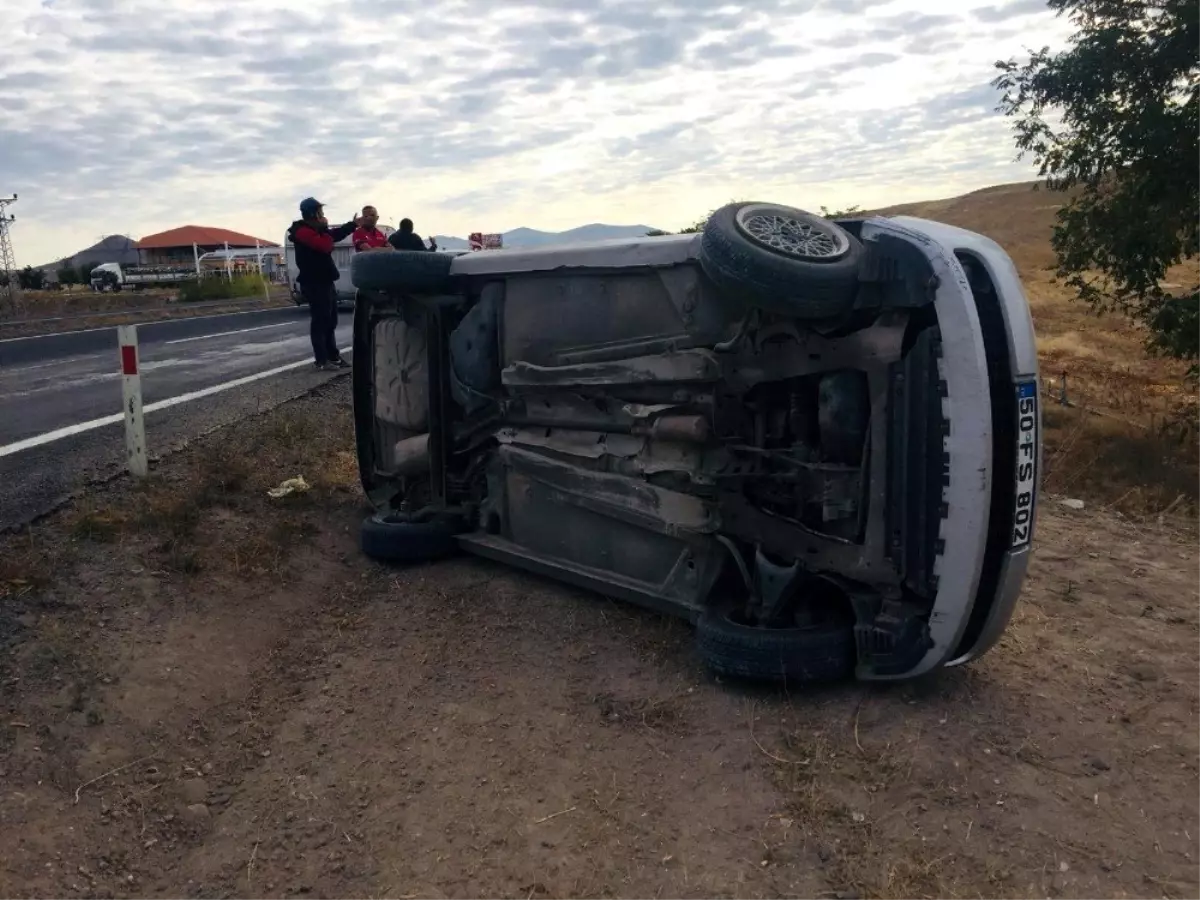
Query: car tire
{"points": [[782, 260], [402, 271], [818, 653], [410, 542]]}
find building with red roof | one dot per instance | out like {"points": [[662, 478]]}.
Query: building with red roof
{"points": [[174, 247]]}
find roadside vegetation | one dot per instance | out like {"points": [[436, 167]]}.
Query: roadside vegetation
{"points": [[216, 287], [1113, 124], [215, 513]]}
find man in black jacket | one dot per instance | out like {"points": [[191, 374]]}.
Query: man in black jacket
{"points": [[314, 239], [407, 239]]}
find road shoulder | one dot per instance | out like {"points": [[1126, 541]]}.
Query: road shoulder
{"points": [[212, 692]]}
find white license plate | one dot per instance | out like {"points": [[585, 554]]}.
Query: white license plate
{"points": [[1027, 462]]}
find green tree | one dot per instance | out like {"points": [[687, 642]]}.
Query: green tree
{"points": [[1115, 121], [698, 226], [31, 279], [67, 275]]}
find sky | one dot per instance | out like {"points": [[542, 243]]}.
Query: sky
{"points": [[131, 117]]}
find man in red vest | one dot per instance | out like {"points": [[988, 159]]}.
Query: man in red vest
{"points": [[367, 236]]}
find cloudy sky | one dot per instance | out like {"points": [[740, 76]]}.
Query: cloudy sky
{"points": [[127, 116]]}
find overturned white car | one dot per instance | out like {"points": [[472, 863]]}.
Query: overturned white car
{"points": [[818, 441]]}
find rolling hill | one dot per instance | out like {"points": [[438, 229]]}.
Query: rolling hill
{"points": [[1019, 217], [531, 237], [115, 248]]}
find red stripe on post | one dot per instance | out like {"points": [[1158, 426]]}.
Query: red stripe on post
{"points": [[128, 360]]}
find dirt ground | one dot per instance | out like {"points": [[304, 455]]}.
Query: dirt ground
{"points": [[206, 692]]}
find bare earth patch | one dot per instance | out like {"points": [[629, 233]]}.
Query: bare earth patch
{"points": [[207, 692]]}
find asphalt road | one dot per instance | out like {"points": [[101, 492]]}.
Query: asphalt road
{"points": [[53, 386]]}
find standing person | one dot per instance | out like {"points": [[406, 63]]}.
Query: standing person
{"points": [[367, 236], [407, 239], [314, 240]]}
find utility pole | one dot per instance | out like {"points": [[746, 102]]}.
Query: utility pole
{"points": [[10, 288]]}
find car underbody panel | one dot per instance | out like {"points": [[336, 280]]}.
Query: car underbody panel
{"points": [[633, 428]]}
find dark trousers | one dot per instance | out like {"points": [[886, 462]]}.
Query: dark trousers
{"points": [[323, 316]]}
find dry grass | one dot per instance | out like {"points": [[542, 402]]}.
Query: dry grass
{"points": [[207, 516], [1130, 440], [820, 772], [25, 567], [1063, 764]]}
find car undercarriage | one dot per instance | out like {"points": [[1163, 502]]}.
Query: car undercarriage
{"points": [[675, 434]]}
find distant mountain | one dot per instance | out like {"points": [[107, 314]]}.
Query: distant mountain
{"points": [[531, 237], [114, 248]]}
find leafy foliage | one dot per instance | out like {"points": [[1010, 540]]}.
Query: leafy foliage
{"points": [[697, 226], [67, 275], [1115, 121], [218, 287], [31, 279], [848, 213]]}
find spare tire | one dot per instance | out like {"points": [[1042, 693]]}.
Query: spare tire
{"points": [[402, 271], [410, 542], [781, 259], [816, 653]]}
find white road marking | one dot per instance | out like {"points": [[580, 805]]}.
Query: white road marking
{"points": [[50, 334], [205, 337], [85, 378], [58, 434], [20, 370]]}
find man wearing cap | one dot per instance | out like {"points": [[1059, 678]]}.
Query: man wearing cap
{"points": [[314, 240]]}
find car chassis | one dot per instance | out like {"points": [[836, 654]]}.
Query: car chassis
{"points": [[819, 443]]}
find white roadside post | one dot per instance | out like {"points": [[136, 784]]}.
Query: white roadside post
{"points": [[262, 276], [131, 397]]}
